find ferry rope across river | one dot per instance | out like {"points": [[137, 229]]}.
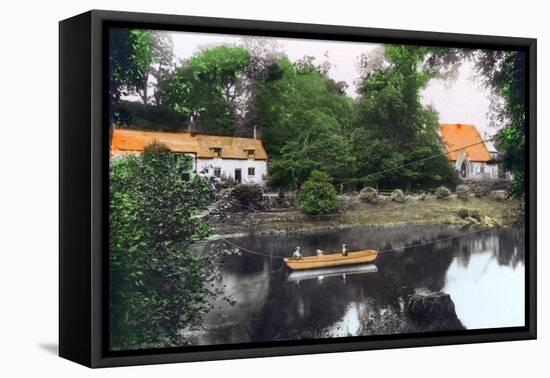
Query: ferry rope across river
{"points": [[384, 250]]}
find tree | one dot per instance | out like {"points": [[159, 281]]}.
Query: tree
{"points": [[321, 146], [393, 128], [264, 53], [287, 93], [129, 60], [503, 72], [159, 285], [318, 196], [303, 116], [163, 64], [206, 88]]}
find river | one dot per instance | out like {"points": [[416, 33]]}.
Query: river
{"points": [[483, 272]]}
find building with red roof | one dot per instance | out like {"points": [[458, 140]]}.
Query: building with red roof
{"points": [[468, 151], [241, 159]]}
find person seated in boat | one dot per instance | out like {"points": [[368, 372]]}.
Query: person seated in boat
{"points": [[319, 252], [296, 255], [344, 250]]}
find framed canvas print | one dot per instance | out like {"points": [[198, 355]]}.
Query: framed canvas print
{"points": [[233, 188]]}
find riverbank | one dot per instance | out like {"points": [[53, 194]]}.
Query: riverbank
{"points": [[483, 212]]}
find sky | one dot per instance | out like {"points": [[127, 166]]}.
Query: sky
{"points": [[458, 101]]}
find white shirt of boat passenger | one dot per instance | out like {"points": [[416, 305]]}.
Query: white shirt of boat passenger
{"points": [[296, 254], [344, 250], [319, 252]]}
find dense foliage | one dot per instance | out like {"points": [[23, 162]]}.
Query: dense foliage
{"points": [[369, 194], [394, 134], [318, 196], [136, 55], [504, 73], [130, 57], [463, 192], [304, 116], [206, 88], [398, 196], [442, 193], [140, 116], [248, 197], [159, 285]]}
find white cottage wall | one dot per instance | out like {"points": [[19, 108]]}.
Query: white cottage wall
{"points": [[205, 167], [483, 170], [477, 169]]}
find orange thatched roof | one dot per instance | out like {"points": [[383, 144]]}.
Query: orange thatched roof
{"points": [[133, 141], [457, 136]]}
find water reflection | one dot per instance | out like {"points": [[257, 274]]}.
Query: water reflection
{"points": [[483, 272], [320, 274]]}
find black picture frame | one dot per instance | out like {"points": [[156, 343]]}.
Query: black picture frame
{"points": [[83, 194]]}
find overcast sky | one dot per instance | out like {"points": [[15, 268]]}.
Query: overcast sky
{"points": [[458, 101]]}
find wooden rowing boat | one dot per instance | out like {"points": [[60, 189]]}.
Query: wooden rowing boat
{"points": [[332, 259]]}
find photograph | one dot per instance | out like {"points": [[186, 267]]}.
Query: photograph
{"points": [[274, 189]]}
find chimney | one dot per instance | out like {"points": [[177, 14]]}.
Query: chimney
{"points": [[254, 131]]}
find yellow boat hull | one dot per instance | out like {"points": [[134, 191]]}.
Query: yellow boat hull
{"points": [[332, 259]]}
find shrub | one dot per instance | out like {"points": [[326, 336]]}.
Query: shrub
{"points": [[499, 195], [248, 196], [150, 117], [318, 195], [463, 192], [369, 194], [463, 213], [159, 284], [349, 203], [475, 214], [480, 191], [398, 196], [442, 193], [292, 199], [224, 182]]}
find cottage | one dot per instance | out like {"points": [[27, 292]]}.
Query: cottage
{"points": [[242, 159], [472, 157]]}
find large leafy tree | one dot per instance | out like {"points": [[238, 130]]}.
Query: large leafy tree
{"points": [[322, 146], [504, 73], [131, 54], [159, 285], [207, 88], [303, 116], [392, 128], [163, 63], [264, 53]]}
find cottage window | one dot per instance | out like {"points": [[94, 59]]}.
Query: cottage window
{"points": [[217, 151], [250, 153], [251, 171], [217, 171]]}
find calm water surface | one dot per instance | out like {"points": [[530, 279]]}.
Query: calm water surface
{"points": [[483, 272]]}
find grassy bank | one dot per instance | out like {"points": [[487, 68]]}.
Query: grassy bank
{"points": [[488, 212]]}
